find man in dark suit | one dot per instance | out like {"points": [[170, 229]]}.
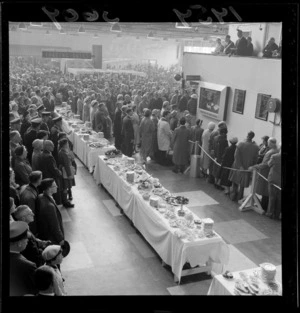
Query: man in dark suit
{"points": [[128, 133], [29, 195], [241, 44], [35, 246], [228, 45], [48, 102], [21, 270], [48, 217], [31, 135]]}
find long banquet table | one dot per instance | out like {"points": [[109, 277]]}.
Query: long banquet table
{"points": [[211, 252], [85, 153], [221, 286]]}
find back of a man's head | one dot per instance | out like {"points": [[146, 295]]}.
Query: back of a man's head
{"points": [[43, 278]]}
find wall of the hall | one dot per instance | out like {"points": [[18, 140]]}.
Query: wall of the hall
{"points": [[254, 75], [260, 33], [165, 52]]}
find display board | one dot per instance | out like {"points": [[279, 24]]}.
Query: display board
{"points": [[212, 100], [66, 54]]}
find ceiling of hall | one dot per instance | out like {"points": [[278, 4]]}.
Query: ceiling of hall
{"points": [[160, 30]]}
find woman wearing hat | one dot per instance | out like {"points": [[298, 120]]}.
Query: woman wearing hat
{"points": [[37, 151], [53, 257], [147, 132], [227, 161], [22, 167], [205, 145]]}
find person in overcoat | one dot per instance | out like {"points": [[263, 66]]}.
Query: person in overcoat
{"points": [[21, 166], [55, 130], [164, 136], [37, 151], [48, 217], [128, 133], [219, 145], [30, 135], [117, 128], [147, 131], [274, 178], [29, 195], [246, 155], [263, 169], [180, 143], [13, 187], [48, 166], [25, 124], [196, 135], [65, 165], [263, 149], [21, 270], [154, 119], [205, 160], [227, 161], [35, 246], [135, 123], [173, 120]]}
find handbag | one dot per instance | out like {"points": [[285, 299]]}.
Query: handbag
{"points": [[65, 175]]}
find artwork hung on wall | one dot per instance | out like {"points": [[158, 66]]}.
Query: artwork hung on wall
{"points": [[239, 101], [261, 111]]}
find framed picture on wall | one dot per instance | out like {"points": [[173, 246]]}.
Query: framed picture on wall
{"points": [[261, 111], [239, 101]]}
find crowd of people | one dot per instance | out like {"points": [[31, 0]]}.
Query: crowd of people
{"points": [[151, 116], [244, 47]]}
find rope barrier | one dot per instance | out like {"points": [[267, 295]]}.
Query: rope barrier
{"points": [[232, 169]]}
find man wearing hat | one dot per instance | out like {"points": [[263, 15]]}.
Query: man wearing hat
{"points": [[45, 121], [55, 130], [40, 109], [15, 124], [192, 108], [53, 257], [21, 270], [35, 246], [31, 135]]}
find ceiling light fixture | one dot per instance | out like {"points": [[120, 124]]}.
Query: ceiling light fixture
{"points": [[116, 28], [36, 24], [47, 32], [183, 25], [96, 36], [81, 30], [62, 32], [14, 28], [22, 26]]}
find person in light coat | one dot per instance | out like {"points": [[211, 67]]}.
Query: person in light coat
{"points": [[246, 155], [164, 135], [205, 160], [180, 143], [264, 169]]}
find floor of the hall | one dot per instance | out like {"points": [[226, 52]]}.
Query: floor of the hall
{"points": [[108, 256]]}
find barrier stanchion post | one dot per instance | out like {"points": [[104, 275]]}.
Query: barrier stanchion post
{"points": [[252, 199]]}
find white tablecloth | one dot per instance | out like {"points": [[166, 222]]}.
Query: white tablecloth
{"points": [[85, 153], [221, 286], [156, 229]]}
